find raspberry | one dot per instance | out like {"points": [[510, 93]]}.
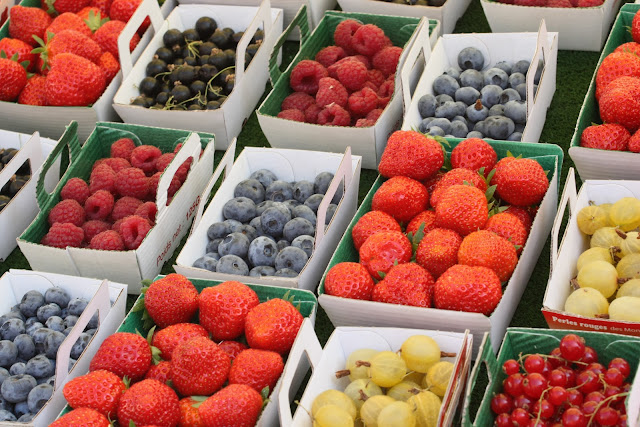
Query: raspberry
{"points": [[65, 234], [343, 34], [353, 75], [99, 205], [133, 230], [178, 147], [124, 207], [334, 115], [292, 114], [163, 161], [115, 163], [174, 186], [311, 113], [183, 170], [385, 92], [374, 114], [148, 211], [362, 102], [371, 86], [331, 91], [298, 101], [387, 60], [107, 241], [368, 40], [306, 75], [116, 225], [67, 211], [153, 184], [634, 142], [93, 228], [145, 157], [376, 77], [330, 54], [123, 148], [363, 59], [76, 189], [102, 178], [333, 70], [363, 123], [132, 182]]}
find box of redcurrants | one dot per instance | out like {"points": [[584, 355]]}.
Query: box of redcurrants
{"points": [[612, 99], [595, 268], [51, 326], [21, 156], [549, 377], [211, 82], [383, 376], [343, 87], [124, 204]]}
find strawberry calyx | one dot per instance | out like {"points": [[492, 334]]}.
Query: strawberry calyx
{"points": [[199, 400], [290, 299], [43, 50], [147, 321], [51, 10], [155, 351], [95, 21], [264, 394], [14, 58]]}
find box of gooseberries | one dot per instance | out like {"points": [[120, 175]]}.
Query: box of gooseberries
{"points": [[595, 270], [378, 376]]}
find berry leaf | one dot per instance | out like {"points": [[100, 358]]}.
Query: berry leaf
{"points": [[264, 393]]}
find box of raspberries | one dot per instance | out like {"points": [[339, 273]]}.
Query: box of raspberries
{"points": [[223, 370], [51, 325], [276, 219], [205, 69], [342, 88], [448, 248], [595, 279], [556, 377], [124, 204], [21, 156], [610, 150], [417, 374]]}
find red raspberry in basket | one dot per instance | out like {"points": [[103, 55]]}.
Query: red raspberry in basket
{"points": [[330, 55], [65, 234], [362, 102], [364, 123], [145, 157], [67, 211], [387, 60], [123, 148], [102, 178], [331, 91], [132, 182], [174, 186], [297, 101], [344, 32], [634, 142], [163, 161], [124, 207], [107, 241], [352, 74], [147, 210], [292, 114], [374, 114], [99, 205], [334, 115], [93, 228], [306, 75], [376, 77], [333, 69], [365, 60], [115, 163], [558, 3], [76, 189], [368, 40], [183, 170], [133, 230], [311, 113], [385, 92]]}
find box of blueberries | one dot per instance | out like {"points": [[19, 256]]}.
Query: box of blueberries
{"points": [[262, 225], [51, 326], [493, 86]]}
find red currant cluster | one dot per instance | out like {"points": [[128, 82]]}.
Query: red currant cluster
{"points": [[566, 388]]}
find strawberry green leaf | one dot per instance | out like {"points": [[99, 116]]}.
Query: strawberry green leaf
{"points": [[502, 208], [441, 140], [138, 306], [3, 54], [199, 400], [490, 191], [490, 176], [382, 274], [132, 424], [155, 355], [264, 393], [150, 334], [127, 381]]}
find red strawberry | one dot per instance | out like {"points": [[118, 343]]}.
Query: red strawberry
{"points": [[69, 41], [438, 250], [13, 77], [382, 250], [232, 348], [122, 10], [401, 197], [463, 209], [634, 143], [67, 21], [349, 280], [609, 136], [199, 367], [425, 219], [109, 66], [614, 65], [371, 223], [630, 47], [147, 402], [84, 417], [236, 405], [25, 22], [16, 46], [74, 81], [103, 5], [522, 214], [273, 325], [124, 354], [61, 6], [170, 300], [508, 226], [223, 309], [457, 176], [257, 369], [100, 390], [189, 413], [621, 105], [403, 292], [160, 372], [522, 182], [466, 288], [167, 339], [411, 154], [34, 92], [474, 153], [635, 28], [107, 37], [487, 249]]}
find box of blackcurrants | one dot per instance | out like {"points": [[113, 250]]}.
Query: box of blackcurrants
{"points": [[218, 84], [498, 86], [595, 267], [21, 157], [262, 225], [405, 356], [51, 121], [52, 325]]}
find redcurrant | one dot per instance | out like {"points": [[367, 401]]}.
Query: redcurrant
{"points": [[575, 398], [594, 396], [588, 381], [512, 385], [534, 363], [503, 420], [557, 378], [501, 403], [520, 417], [544, 409], [572, 347], [534, 385], [607, 416], [511, 367], [613, 377], [622, 365], [573, 417], [589, 356], [557, 395], [523, 401]]}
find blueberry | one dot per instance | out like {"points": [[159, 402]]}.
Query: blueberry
{"points": [[70, 321], [31, 302], [91, 332], [232, 264], [499, 127], [38, 397], [302, 190], [39, 337], [48, 310], [7, 416], [509, 95], [446, 85], [516, 136], [234, 244], [331, 210], [468, 95], [477, 112], [278, 191], [274, 219], [516, 111], [304, 211], [218, 230], [505, 66], [248, 230], [522, 91], [436, 131], [521, 67], [251, 189], [4, 404], [321, 183], [495, 76], [263, 206], [52, 343], [497, 110], [8, 353], [264, 176], [18, 368], [520, 127], [480, 127], [470, 57], [475, 134], [448, 110], [424, 125], [16, 388], [240, 209], [4, 374], [11, 329], [442, 123], [262, 271], [459, 129], [460, 119], [427, 105], [297, 227], [26, 418], [55, 323], [21, 408], [286, 272], [30, 321], [490, 95], [263, 251], [441, 99], [291, 257], [304, 242], [536, 77], [292, 203], [516, 79], [33, 328], [206, 263], [57, 295], [472, 78], [93, 322], [453, 72], [281, 244], [80, 344], [314, 201], [77, 305]]}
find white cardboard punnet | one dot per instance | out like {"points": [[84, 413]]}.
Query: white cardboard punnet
{"points": [[496, 47], [288, 165], [225, 122], [342, 342], [107, 298]]}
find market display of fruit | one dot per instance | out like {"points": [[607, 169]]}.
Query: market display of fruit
{"points": [[436, 3], [555, 3], [195, 69], [17, 181]]}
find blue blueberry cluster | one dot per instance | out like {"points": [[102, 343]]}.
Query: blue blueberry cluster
{"points": [[269, 226], [471, 103], [31, 334]]}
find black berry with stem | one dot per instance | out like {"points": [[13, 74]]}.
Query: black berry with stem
{"points": [[173, 39], [165, 54], [205, 27], [156, 66], [149, 86]]}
